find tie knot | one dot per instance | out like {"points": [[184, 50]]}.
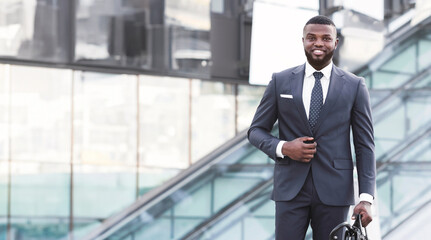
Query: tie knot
{"points": [[318, 75]]}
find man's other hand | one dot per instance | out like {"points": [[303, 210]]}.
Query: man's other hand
{"points": [[363, 208]]}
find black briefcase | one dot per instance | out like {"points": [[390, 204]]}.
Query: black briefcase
{"points": [[352, 232]]}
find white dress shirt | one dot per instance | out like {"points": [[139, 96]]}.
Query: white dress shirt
{"points": [[308, 85], [307, 88]]}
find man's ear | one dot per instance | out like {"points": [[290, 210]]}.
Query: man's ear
{"points": [[336, 43]]}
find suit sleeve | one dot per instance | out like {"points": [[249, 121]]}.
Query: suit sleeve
{"points": [[363, 139], [266, 115]]}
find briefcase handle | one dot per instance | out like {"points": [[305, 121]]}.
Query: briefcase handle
{"points": [[353, 232]]}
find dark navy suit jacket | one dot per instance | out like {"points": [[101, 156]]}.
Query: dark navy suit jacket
{"points": [[347, 105]]}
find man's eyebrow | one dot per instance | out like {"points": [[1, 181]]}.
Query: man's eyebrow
{"points": [[325, 35]]}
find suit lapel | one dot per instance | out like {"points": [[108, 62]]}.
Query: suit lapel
{"points": [[335, 86], [297, 83]]}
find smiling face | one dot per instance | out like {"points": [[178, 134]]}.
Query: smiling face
{"points": [[320, 42]]}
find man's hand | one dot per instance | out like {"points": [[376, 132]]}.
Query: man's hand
{"points": [[298, 150], [363, 208]]}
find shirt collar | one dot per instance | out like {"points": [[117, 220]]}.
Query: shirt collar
{"points": [[309, 70]]}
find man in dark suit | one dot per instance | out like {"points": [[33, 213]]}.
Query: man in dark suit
{"points": [[316, 105]]}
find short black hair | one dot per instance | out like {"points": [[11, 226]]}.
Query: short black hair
{"points": [[320, 19]]}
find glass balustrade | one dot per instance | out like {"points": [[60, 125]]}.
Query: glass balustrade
{"points": [[403, 189], [202, 197], [406, 117], [399, 62], [253, 219]]}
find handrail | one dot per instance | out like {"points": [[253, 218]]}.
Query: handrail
{"points": [[154, 195]]}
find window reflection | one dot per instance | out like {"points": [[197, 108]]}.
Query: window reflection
{"points": [[248, 100], [33, 29], [189, 25], [164, 121], [113, 32], [4, 168], [105, 146], [161, 35], [217, 6], [100, 191], [4, 111], [40, 114], [213, 116], [104, 118], [40, 199], [150, 178], [40, 189]]}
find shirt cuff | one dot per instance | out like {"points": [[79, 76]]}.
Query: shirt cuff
{"points": [[366, 197], [278, 149]]}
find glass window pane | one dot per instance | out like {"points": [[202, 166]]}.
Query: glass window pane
{"points": [[40, 228], [188, 24], [34, 29], [424, 53], [197, 204], [105, 146], [155, 230], [419, 152], [217, 6], [161, 35], [213, 116], [193, 14], [418, 105], [423, 83], [82, 227], [403, 62], [4, 169], [105, 113], [385, 136], [4, 112], [164, 121], [248, 100], [385, 80], [3, 228], [100, 191], [40, 200], [113, 32], [150, 178], [40, 114], [40, 189], [259, 228], [190, 50]]}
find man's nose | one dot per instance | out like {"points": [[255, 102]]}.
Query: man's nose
{"points": [[318, 42]]}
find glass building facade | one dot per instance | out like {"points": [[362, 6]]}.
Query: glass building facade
{"points": [[78, 146], [101, 101]]}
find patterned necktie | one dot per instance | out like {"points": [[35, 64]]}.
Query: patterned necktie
{"points": [[316, 100]]}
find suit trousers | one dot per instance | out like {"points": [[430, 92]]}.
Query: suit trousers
{"points": [[293, 217]]}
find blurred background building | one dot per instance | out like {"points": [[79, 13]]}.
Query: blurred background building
{"points": [[125, 119]]}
